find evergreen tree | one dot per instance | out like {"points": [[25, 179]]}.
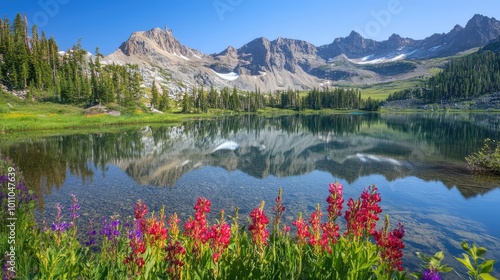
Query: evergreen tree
{"points": [[164, 101], [154, 96], [187, 103]]}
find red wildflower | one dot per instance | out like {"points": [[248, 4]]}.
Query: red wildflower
{"points": [[335, 201], [330, 229], [140, 210], [174, 259], [362, 214], [330, 235], [156, 231], [197, 228], [302, 230], [173, 226], [138, 248], [315, 222], [219, 236], [258, 226], [279, 209], [391, 244]]}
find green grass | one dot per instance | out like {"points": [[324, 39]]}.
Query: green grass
{"points": [[19, 115], [381, 91]]}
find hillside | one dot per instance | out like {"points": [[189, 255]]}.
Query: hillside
{"points": [[470, 82]]}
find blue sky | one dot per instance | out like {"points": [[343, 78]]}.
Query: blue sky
{"points": [[212, 25]]}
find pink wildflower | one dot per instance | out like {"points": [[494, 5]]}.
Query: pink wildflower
{"points": [[258, 226]]}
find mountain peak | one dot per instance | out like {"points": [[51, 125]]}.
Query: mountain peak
{"points": [[355, 35], [478, 20], [457, 28], [149, 42], [395, 37]]}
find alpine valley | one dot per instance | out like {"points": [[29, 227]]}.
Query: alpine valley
{"points": [[289, 63]]}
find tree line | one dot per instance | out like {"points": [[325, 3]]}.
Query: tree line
{"points": [[461, 79], [36, 65], [197, 100]]}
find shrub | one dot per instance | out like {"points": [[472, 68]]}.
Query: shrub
{"points": [[487, 159]]}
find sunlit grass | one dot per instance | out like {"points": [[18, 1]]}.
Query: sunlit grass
{"points": [[383, 90]]}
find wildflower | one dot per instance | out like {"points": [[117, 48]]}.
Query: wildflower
{"points": [[330, 235], [258, 226], [285, 230], [91, 234], [330, 228], [278, 209], [391, 244], [362, 214], [197, 228], [335, 201], [219, 236], [74, 210], [111, 229], [24, 195], [174, 259], [430, 274], [173, 227], [302, 230], [140, 210], [315, 222], [7, 269], [138, 248], [59, 227], [156, 230]]}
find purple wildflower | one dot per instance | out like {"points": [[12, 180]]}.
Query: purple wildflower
{"points": [[24, 196], [91, 234], [74, 209], [111, 229], [431, 275], [4, 179], [8, 273], [59, 226]]}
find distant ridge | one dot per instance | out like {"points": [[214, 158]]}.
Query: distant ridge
{"points": [[288, 63]]}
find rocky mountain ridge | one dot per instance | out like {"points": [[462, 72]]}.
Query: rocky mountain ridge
{"points": [[288, 63]]}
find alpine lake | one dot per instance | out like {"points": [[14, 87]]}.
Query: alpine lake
{"points": [[416, 161]]}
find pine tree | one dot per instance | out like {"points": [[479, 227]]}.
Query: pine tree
{"points": [[154, 96], [164, 100], [187, 103]]}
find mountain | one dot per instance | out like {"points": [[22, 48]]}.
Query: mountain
{"points": [[493, 46], [290, 63]]}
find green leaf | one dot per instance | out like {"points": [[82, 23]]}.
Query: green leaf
{"points": [[480, 251], [439, 256], [486, 266], [486, 276], [466, 262], [445, 269], [465, 247]]}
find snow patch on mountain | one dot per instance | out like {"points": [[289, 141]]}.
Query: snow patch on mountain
{"points": [[228, 76], [385, 59], [434, 48]]}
